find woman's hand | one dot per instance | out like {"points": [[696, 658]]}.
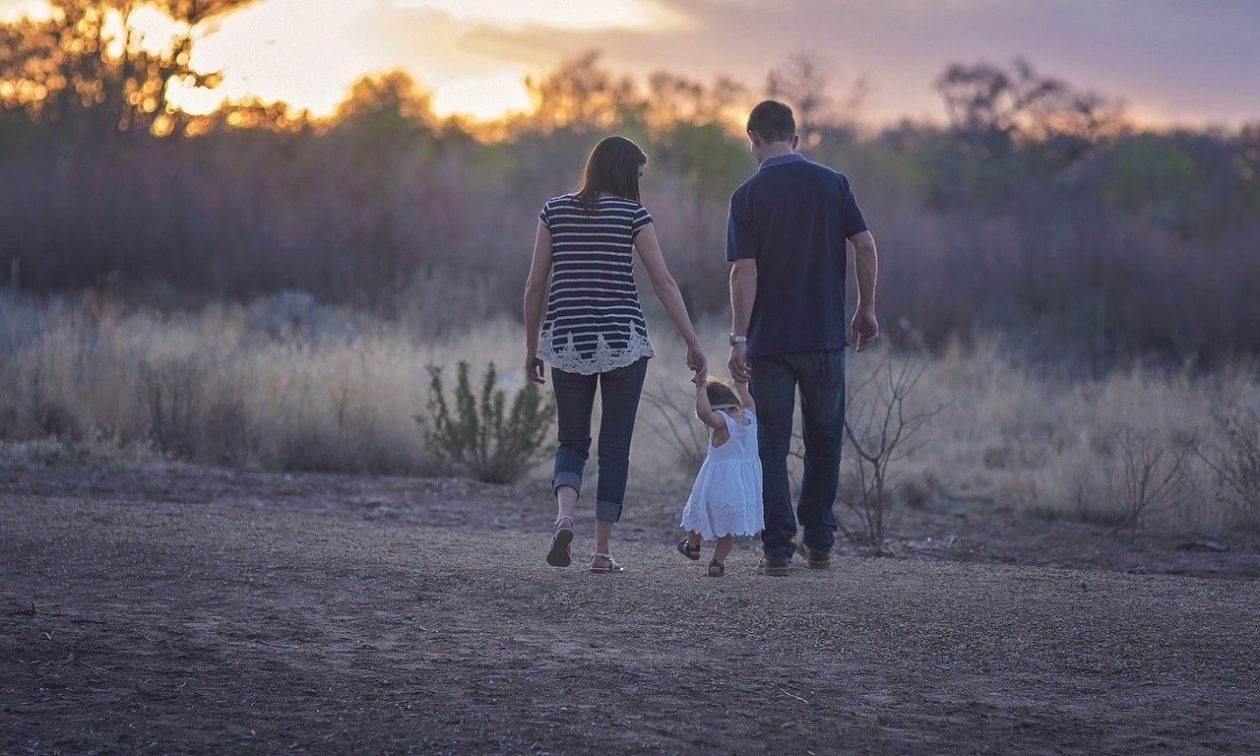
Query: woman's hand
{"points": [[534, 368], [697, 362]]}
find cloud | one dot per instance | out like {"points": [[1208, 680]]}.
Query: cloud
{"points": [[425, 40], [1171, 60], [14, 9]]}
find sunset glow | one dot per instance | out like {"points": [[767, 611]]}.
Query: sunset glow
{"points": [[1178, 63], [308, 52], [483, 98]]}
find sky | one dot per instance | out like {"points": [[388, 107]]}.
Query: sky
{"points": [[1189, 62]]}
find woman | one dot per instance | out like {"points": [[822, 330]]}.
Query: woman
{"points": [[593, 333]]}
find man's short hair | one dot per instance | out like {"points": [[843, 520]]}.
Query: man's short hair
{"points": [[772, 121]]}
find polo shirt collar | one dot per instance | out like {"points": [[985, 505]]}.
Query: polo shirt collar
{"points": [[781, 160]]}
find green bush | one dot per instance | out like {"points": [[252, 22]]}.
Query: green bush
{"points": [[476, 436]]}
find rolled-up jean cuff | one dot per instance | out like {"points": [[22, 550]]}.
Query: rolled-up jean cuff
{"points": [[607, 511], [566, 478]]}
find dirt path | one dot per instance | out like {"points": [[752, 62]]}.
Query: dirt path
{"points": [[187, 612]]}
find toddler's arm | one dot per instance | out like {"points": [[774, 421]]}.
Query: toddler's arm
{"points": [[703, 410], [745, 396]]}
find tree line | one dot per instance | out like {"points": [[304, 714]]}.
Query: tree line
{"points": [[1039, 210]]}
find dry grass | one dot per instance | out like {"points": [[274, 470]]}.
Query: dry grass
{"points": [[224, 386], [286, 384], [1046, 445]]}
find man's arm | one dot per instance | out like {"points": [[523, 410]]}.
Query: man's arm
{"points": [[866, 266], [741, 251], [743, 295]]}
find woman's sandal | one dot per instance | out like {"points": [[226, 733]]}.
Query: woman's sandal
{"points": [[613, 564], [559, 555], [689, 551], [716, 569]]}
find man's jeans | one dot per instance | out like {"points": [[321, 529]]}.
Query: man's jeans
{"points": [[619, 401], [820, 376]]}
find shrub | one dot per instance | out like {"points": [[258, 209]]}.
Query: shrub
{"points": [[1152, 474], [881, 430], [478, 437], [173, 392], [673, 424], [1236, 460]]}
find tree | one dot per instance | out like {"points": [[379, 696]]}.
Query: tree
{"points": [[89, 65], [387, 105], [994, 109], [251, 113], [805, 83], [580, 95]]}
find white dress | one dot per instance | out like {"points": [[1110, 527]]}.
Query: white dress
{"points": [[726, 499]]}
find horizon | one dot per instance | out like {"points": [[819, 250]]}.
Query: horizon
{"points": [[473, 56]]}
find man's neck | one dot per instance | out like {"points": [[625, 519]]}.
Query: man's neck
{"points": [[777, 150]]}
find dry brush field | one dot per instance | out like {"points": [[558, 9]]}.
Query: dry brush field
{"points": [[285, 384]]}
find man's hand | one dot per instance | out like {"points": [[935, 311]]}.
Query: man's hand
{"points": [[534, 368], [738, 364], [865, 328]]}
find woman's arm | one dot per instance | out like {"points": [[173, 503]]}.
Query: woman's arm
{"points": [[535, 294], [667, 292], [705, 412], [745, 396]]}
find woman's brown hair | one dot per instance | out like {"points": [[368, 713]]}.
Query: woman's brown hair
{"points": [[613, 168]]}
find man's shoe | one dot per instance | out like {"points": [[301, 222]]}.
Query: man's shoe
{"points": [[775, 566], [817, 560]]}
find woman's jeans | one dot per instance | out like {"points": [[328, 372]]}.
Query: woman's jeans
{"points": [[820, 378], [619, 401]]}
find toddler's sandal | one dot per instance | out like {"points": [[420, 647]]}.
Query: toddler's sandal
{"points": [[689, 551], [717, 569]]}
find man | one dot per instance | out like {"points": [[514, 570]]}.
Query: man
{"points": [[786, 239]]}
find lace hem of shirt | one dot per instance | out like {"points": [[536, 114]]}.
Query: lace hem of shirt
{"points": [[604, 358]]}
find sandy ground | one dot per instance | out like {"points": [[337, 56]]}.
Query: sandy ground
{"points": [[203, 611]]}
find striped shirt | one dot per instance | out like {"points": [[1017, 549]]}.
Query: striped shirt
{"points": [[594, 322]]}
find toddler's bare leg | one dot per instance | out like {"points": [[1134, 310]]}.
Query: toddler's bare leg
{"points": [[723, 548]]}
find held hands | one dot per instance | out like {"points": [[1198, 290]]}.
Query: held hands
{"points": [[865, 328], [697, 363]]}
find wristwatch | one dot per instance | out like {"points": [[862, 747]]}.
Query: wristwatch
{"points": [[738, 339]]}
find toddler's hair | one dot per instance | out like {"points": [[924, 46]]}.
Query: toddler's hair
{"points": [[719, 393]]}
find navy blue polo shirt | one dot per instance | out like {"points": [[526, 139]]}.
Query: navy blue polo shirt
{"points": [[793, 216]]}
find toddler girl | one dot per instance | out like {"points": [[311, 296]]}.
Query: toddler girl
{"points": [[726, 499]]}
